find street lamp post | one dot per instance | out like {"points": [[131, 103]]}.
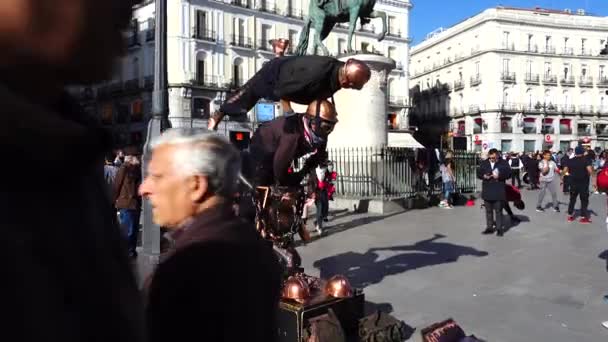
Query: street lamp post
{"points": [[158, 123]]}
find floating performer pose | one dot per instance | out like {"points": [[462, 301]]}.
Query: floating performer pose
{"points": [[299, 79]]}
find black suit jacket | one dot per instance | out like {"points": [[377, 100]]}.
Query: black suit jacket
{"points": [[494, 189]]}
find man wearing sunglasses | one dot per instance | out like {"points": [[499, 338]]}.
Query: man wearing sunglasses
{"points": [[276, 144], [299, 79]]}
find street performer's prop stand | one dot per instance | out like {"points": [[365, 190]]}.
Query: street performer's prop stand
{"points": [[278, 219]]}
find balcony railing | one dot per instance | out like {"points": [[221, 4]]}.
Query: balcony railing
{"points": [[532, 79], [458, 84], [206, 80], [568, 51], [207, 35], [549, 50], [241, 3], [602, 82], [241, 41], [267, 7], [475, 80], [602, 109], [532, 48], [550, 79], [585, 109], [507, 77], [568, 109], [585, 81], [585, 52], [508, 107], [294, 13], [264, 45], [568, 81]]}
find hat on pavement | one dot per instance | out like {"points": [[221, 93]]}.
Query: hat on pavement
{"points": [[579, 150]]}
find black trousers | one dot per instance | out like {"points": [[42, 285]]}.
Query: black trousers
{"points": [[322, 203], [507, 208], [260, 86], [514, 176], [577, 190], [566, 183], [493, 213]]}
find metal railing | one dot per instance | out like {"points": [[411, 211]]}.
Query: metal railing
{"points": [[506, 76], [585, 81], [570, 80], [550, 79], [532, 78], [263, 45], [242, 41], [392, 172], [458, 84], [294, 13], [475, 80], [208, 35]]}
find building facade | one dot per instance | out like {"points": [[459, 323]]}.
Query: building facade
{"points": [[515, 79], [214, 46]]}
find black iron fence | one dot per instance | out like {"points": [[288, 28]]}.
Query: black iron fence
{"points": [[391, 172]]}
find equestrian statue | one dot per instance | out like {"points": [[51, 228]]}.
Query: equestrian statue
{"points": [[324, 14]]}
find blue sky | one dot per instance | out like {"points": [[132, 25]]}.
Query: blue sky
{"points": [[428, 15]]}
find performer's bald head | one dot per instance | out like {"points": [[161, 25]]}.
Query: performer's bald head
{"points": [[354, 74]]}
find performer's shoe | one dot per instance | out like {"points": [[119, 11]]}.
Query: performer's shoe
{"points": [[500, 232]]}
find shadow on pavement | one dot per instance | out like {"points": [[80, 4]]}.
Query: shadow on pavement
{"points": [[604, 256], [364, 269]]}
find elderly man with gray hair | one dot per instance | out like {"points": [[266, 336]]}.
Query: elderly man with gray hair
{"points": [[219, 280]]}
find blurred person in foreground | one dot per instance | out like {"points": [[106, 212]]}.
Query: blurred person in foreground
{"points": [[66, 275], [218, 280]]}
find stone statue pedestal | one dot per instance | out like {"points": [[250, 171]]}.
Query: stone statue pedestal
{"points": [[362, 114]]}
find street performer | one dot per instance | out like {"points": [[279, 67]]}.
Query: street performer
{"points": [[274, 147], [299, 79]]}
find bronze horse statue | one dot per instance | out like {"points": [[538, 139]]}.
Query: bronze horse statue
{"points": [[324, 14]]}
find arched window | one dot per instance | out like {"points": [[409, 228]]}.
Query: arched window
{"points": [[529, 99], [505, 96], [548, 99]]}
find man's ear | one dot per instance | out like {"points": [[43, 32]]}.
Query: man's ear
{"points": [[198, 187]]}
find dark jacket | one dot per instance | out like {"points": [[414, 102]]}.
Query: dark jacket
{"points": [[66, 275], [275, 145], [126, 187], [219, 282], [494, 189], [303, 79]]}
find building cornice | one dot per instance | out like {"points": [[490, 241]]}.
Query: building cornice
{"points": [[494, 16], [506, 52], [397, 3]]}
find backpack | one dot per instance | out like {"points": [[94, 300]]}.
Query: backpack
{"points": [[382, 327], [324, 328]]}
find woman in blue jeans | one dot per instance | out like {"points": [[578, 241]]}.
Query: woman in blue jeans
{"points": [[449, 183], [128, 201]]}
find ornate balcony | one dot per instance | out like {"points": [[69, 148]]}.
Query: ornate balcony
{"points": [[241, 41], [475, 80], [507, 77], [585, 81], [206, 35], [602, 82], [458, 84], [567, 81], [550, 79], [532, 79]]}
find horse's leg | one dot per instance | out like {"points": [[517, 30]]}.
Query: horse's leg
{"points": [[381, 15], [352, 23], [318, 29], [303, 42]]}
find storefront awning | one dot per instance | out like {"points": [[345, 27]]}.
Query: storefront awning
{"points": [[403, 139]]}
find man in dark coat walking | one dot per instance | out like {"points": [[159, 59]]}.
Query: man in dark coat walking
{"points": [[493, 172], [299, 79], [66, 276], [219, 280]]}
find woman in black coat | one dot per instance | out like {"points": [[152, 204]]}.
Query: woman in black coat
{"points": [[531, 164]]}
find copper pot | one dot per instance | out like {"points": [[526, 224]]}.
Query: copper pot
{"points": [[296, 288], [339, 287]]}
